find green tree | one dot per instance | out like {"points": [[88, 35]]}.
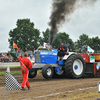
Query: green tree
{"points": [[45, 37], [82, 43], [24, 35], [62, 37], [95, 43]]}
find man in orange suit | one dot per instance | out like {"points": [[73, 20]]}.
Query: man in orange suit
{"points": [[28, 65]]}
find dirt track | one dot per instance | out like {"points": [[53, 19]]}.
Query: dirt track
{"points": [[41, 86]]}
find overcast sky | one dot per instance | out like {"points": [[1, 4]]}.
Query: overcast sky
{"points": [[83, 20]]}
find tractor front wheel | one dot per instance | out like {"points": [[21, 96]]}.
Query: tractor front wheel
{"points": [[47, 71]]}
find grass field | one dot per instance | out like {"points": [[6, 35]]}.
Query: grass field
{"points": [[11, 72], [9, 66], [15, 72]]}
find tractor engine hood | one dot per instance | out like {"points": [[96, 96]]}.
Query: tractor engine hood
{"points": [[48, 57]]}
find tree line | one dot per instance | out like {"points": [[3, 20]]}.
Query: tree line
{"points": [[28, 38]]}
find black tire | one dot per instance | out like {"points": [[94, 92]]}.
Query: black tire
{"points": [[32, 73], [47, 71], [75, 66]]}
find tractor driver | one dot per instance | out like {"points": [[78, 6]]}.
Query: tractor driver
{"points": [[62, 50]]}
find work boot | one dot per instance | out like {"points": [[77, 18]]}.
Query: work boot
{"points": [[23, 89], [29, 88]]}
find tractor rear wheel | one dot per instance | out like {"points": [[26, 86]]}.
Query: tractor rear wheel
{"points": [[74, 66], [48, 71]]}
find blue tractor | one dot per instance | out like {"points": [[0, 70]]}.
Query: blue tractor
{"points": [[71, 65]]}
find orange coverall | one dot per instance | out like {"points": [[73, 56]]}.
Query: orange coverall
{"points": [[28, 63]]}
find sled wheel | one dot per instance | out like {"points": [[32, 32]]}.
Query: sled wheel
{"points": [[47, 71], [32, 73], [74, 66]]}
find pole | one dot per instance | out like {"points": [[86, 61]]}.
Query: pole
{"points": [[50, 47], [6, 89], [6, 95]]}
